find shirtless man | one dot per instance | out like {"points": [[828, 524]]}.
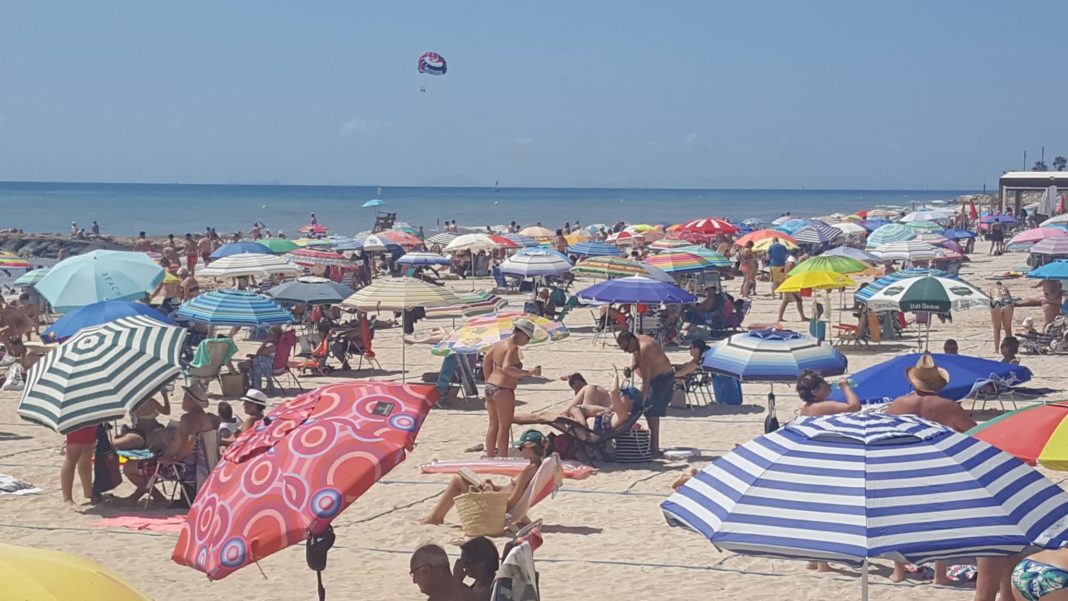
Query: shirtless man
{"points": [[32, 312], [190, 250], [431, 572], [13, 321], [190, 287], [658, 379], [142, 244], [170, 253], [204, 246]]}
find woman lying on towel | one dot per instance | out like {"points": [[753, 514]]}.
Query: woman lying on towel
{"points": [[532, 446]]}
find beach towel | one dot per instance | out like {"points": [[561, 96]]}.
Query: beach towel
{"points": [[9, 485], [136, 522], [517, 579], [201, 357]]}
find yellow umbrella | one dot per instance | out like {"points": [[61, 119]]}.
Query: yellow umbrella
{"points": [[575, 238], [43, 575], [762, 245], [815, 280]]}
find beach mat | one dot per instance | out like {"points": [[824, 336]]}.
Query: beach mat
{"points": [[501, 466], [138, 522]]}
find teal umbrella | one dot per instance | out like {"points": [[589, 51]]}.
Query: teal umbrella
{"points": [[100, 275], [32, 277], [279, 245], [374, 202]]}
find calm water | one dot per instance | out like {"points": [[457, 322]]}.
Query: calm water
{"points": [[170, 208]]}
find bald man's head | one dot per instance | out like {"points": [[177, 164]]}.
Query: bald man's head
{"points": [[429, 563]]}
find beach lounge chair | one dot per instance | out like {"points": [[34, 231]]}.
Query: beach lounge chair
{"points": [[186, 476], [316, 363], [996, 388], [595, 446], [698, 389], [280, 363], [546, 482], [502, 284], [217, 352]]}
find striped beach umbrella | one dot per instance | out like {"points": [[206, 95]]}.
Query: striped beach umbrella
{"points": [[380, 243], [790, 226], [936, 215], [235, 308], [248, 264], [101, 373], [597, 248], [853, 487], [923, 226], [423, 258], [521, 240], [674, 261], [307, 257], [670, 244], [31, 277], [473, 303], [817, 233], [615, 267], [765, 244], [1055, 220], [848, 228], [712, 257], [99, 275], [772, 356], [1038, 234], [865, 293], [928, 293], [833, 263], [14, 263], [237, 248], [442, 239], [480, 333], [709, 226], [400, 294], [891, 232], [535, 263], [904, 250], [852, 253], [636, 289]]}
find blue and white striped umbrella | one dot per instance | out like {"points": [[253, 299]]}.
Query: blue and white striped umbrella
{"points": [[595, 248], [422, 258], [891, 232], [234, 308], [236, 248], [817, 233], [792, 225], [772, 356], [850, 487], [535, 262], [521, 240]]}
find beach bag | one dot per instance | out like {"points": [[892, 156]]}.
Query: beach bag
{"points": [[106, 473], [634, 446], [482, 513], [727, 390], [563, 445], [14, 379]]}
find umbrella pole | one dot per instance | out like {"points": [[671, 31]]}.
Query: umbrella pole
{"points": [[864, 581], [404, 358]]}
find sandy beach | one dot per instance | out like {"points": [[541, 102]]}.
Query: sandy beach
{"points": [[605, 536]]}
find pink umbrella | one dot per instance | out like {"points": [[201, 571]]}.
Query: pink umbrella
{"points": [[1038, 234], [709, 226], [1054, 247]]}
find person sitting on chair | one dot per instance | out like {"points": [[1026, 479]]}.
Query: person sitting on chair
{"points": [[604, 420]]}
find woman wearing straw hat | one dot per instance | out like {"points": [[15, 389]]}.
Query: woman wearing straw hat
{"points": [[502, 369]]}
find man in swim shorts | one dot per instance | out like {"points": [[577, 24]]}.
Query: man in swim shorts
{"points": [[658, 379]]}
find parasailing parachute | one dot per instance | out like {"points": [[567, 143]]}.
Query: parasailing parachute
{"points": [[432, 63]]}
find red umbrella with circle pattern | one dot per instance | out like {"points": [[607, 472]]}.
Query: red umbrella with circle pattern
{"points": [[286, 480]]}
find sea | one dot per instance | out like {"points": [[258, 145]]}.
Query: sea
{"points": [[160, 209]]}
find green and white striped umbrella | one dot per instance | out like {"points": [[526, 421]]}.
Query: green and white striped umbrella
{"points": [[101, 373], [32, 277], [928, 293], [891, 232]]}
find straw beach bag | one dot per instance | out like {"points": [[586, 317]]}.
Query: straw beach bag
{"points": [[482, 513]]}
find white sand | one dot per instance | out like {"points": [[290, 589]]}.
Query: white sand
{"points": [[605, 537]]}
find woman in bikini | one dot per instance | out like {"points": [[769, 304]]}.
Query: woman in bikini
{"points": [[1042, 576], [1052, 297], [1001, 310], [604, 420], [502, 369]]}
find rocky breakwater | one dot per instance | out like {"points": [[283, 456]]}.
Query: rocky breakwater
{"points": [[49, 245]]}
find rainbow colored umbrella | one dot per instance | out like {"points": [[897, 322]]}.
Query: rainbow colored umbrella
{"points": [[677, 262], [713, 257], [480, 333], [307, 257], [615, 267], [1035, 434], [759, 235], [14, 263], [670, 244], [765, 244], [834, 263], [289, 478]]}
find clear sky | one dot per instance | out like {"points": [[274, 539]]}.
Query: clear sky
{"points": [[550, 93]]}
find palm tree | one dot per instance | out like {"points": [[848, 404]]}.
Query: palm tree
{"points": [[1040, 166], [1059, 163]]}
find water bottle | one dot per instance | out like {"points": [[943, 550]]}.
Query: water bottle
{"points": [[852, 383]]}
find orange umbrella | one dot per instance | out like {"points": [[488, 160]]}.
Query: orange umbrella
{"points": [[759, 235]]}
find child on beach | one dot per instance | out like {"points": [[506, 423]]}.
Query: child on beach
{"points": [[79, 457]]}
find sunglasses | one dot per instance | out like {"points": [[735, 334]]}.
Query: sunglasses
{"points": [[416, 569]]}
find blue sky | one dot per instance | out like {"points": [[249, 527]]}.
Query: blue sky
{"points": [[673, 94]]}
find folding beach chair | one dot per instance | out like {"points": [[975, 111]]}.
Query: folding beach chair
{"points": [[280, 363], [219, 352], [546, 482], [595, 446], [187, 476]]}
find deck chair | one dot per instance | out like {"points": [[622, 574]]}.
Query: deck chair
{"points": [[996, 388], [316, 363], [501, 283], [219, 352], [280, 364], [187, 476], [546, 482], [367, 334], [595, 446], [698, 389]]}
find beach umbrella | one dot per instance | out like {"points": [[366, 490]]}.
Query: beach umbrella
{"points": [[781, 219], [535, 263], [473, 303], [1002, 219], [670, 244], [814, 280], [957, 234], [1035, 434], [1037, 234], [597, 249], [278, 245], [1055, 220], [374, 202], [480, 333], [636, 289], [32, 276], [772, 356], [833, 263], [765, 244], [760, 235], [521, 240], [884, 382], [1053, 247], [248, 264], [865, 293], [753, 222], [817, 234], [928, 293], [96, 314], [286, 480], [32, 574], [873, 224], [236, 308], [505, 242], [311, 242], [537, 231], [1057, 270], [675, 261], [236, 248], [101, 373], [850, 252], [615, 267], [848, 228], [99, 275], [893, 232], [858, 486], [307, 257], [920, 227], [903, 250], [932, 238], [14, 263], [442, 238], [316, 229], [400, 294], [889, 213], [790, 226], [927, 215], [474, 243], [311, 291], [626, 239], [709, 226], [402, 238], [709, 255], [423, 258], [571, 239], [375, 243]]}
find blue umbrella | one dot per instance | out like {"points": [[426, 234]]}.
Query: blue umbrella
{"points": [[792, 225], [851, 487], [873, 224], [1057, 270], [869, 291], [234, 308], [636, 289], [886, 381], [374, 202], [956, 234], [96, 314], [100, 275], [236, 248], [772, 356], [423, 258], [1009, 219], [595, 249]]}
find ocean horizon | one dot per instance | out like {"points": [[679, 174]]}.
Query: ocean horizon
{"points": [[160, 209]]}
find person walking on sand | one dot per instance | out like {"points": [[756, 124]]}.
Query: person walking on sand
{"points": [[658, 379], [502, 369], [190, 252]]}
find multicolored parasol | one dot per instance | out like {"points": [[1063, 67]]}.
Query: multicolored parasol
{"points": [[615, 267], [1035, 434], [480, 333], [677, 262]]}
